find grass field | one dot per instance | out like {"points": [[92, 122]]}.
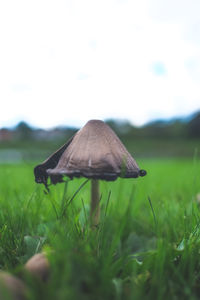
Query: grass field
{"points": [[147, 245]]}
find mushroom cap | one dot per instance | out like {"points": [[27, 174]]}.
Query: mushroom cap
{"points": [[12, 287], [38, 265], [95, 152]]}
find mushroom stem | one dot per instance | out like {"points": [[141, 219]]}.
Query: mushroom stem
{"points": [[94, 208]]}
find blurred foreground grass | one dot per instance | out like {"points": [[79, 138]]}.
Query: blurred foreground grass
{"points": [[130, 256]]}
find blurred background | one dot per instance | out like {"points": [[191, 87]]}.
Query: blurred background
{"points": [[133, 64]]}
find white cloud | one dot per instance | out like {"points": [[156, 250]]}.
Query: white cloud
{"points": [[70, 61]]}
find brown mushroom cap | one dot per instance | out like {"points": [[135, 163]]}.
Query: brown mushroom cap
{"points": [[94, 152], [11, 287], [38, 266]]}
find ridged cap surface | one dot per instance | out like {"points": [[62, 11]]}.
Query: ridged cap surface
{"points": [[94, 152]]}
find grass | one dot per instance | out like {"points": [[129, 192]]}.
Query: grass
{"points": [[147, 245], [138, 146]]}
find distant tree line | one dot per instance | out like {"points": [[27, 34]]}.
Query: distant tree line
{"points": [[176, 128], [160, 129]]}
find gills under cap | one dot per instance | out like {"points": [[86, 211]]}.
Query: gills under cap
{"points": [[94, 151]]}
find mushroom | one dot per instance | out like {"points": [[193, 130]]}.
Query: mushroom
{"points": [[38, 266], [94, 152], [12, 287]]}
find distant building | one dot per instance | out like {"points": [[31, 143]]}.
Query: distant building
{"points": [[5, 135], [48, 135]]}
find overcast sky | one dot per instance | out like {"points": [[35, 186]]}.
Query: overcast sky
{"points": [[65, 62]]}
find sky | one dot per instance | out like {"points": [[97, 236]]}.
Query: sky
{"points": [[64, 62]]}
